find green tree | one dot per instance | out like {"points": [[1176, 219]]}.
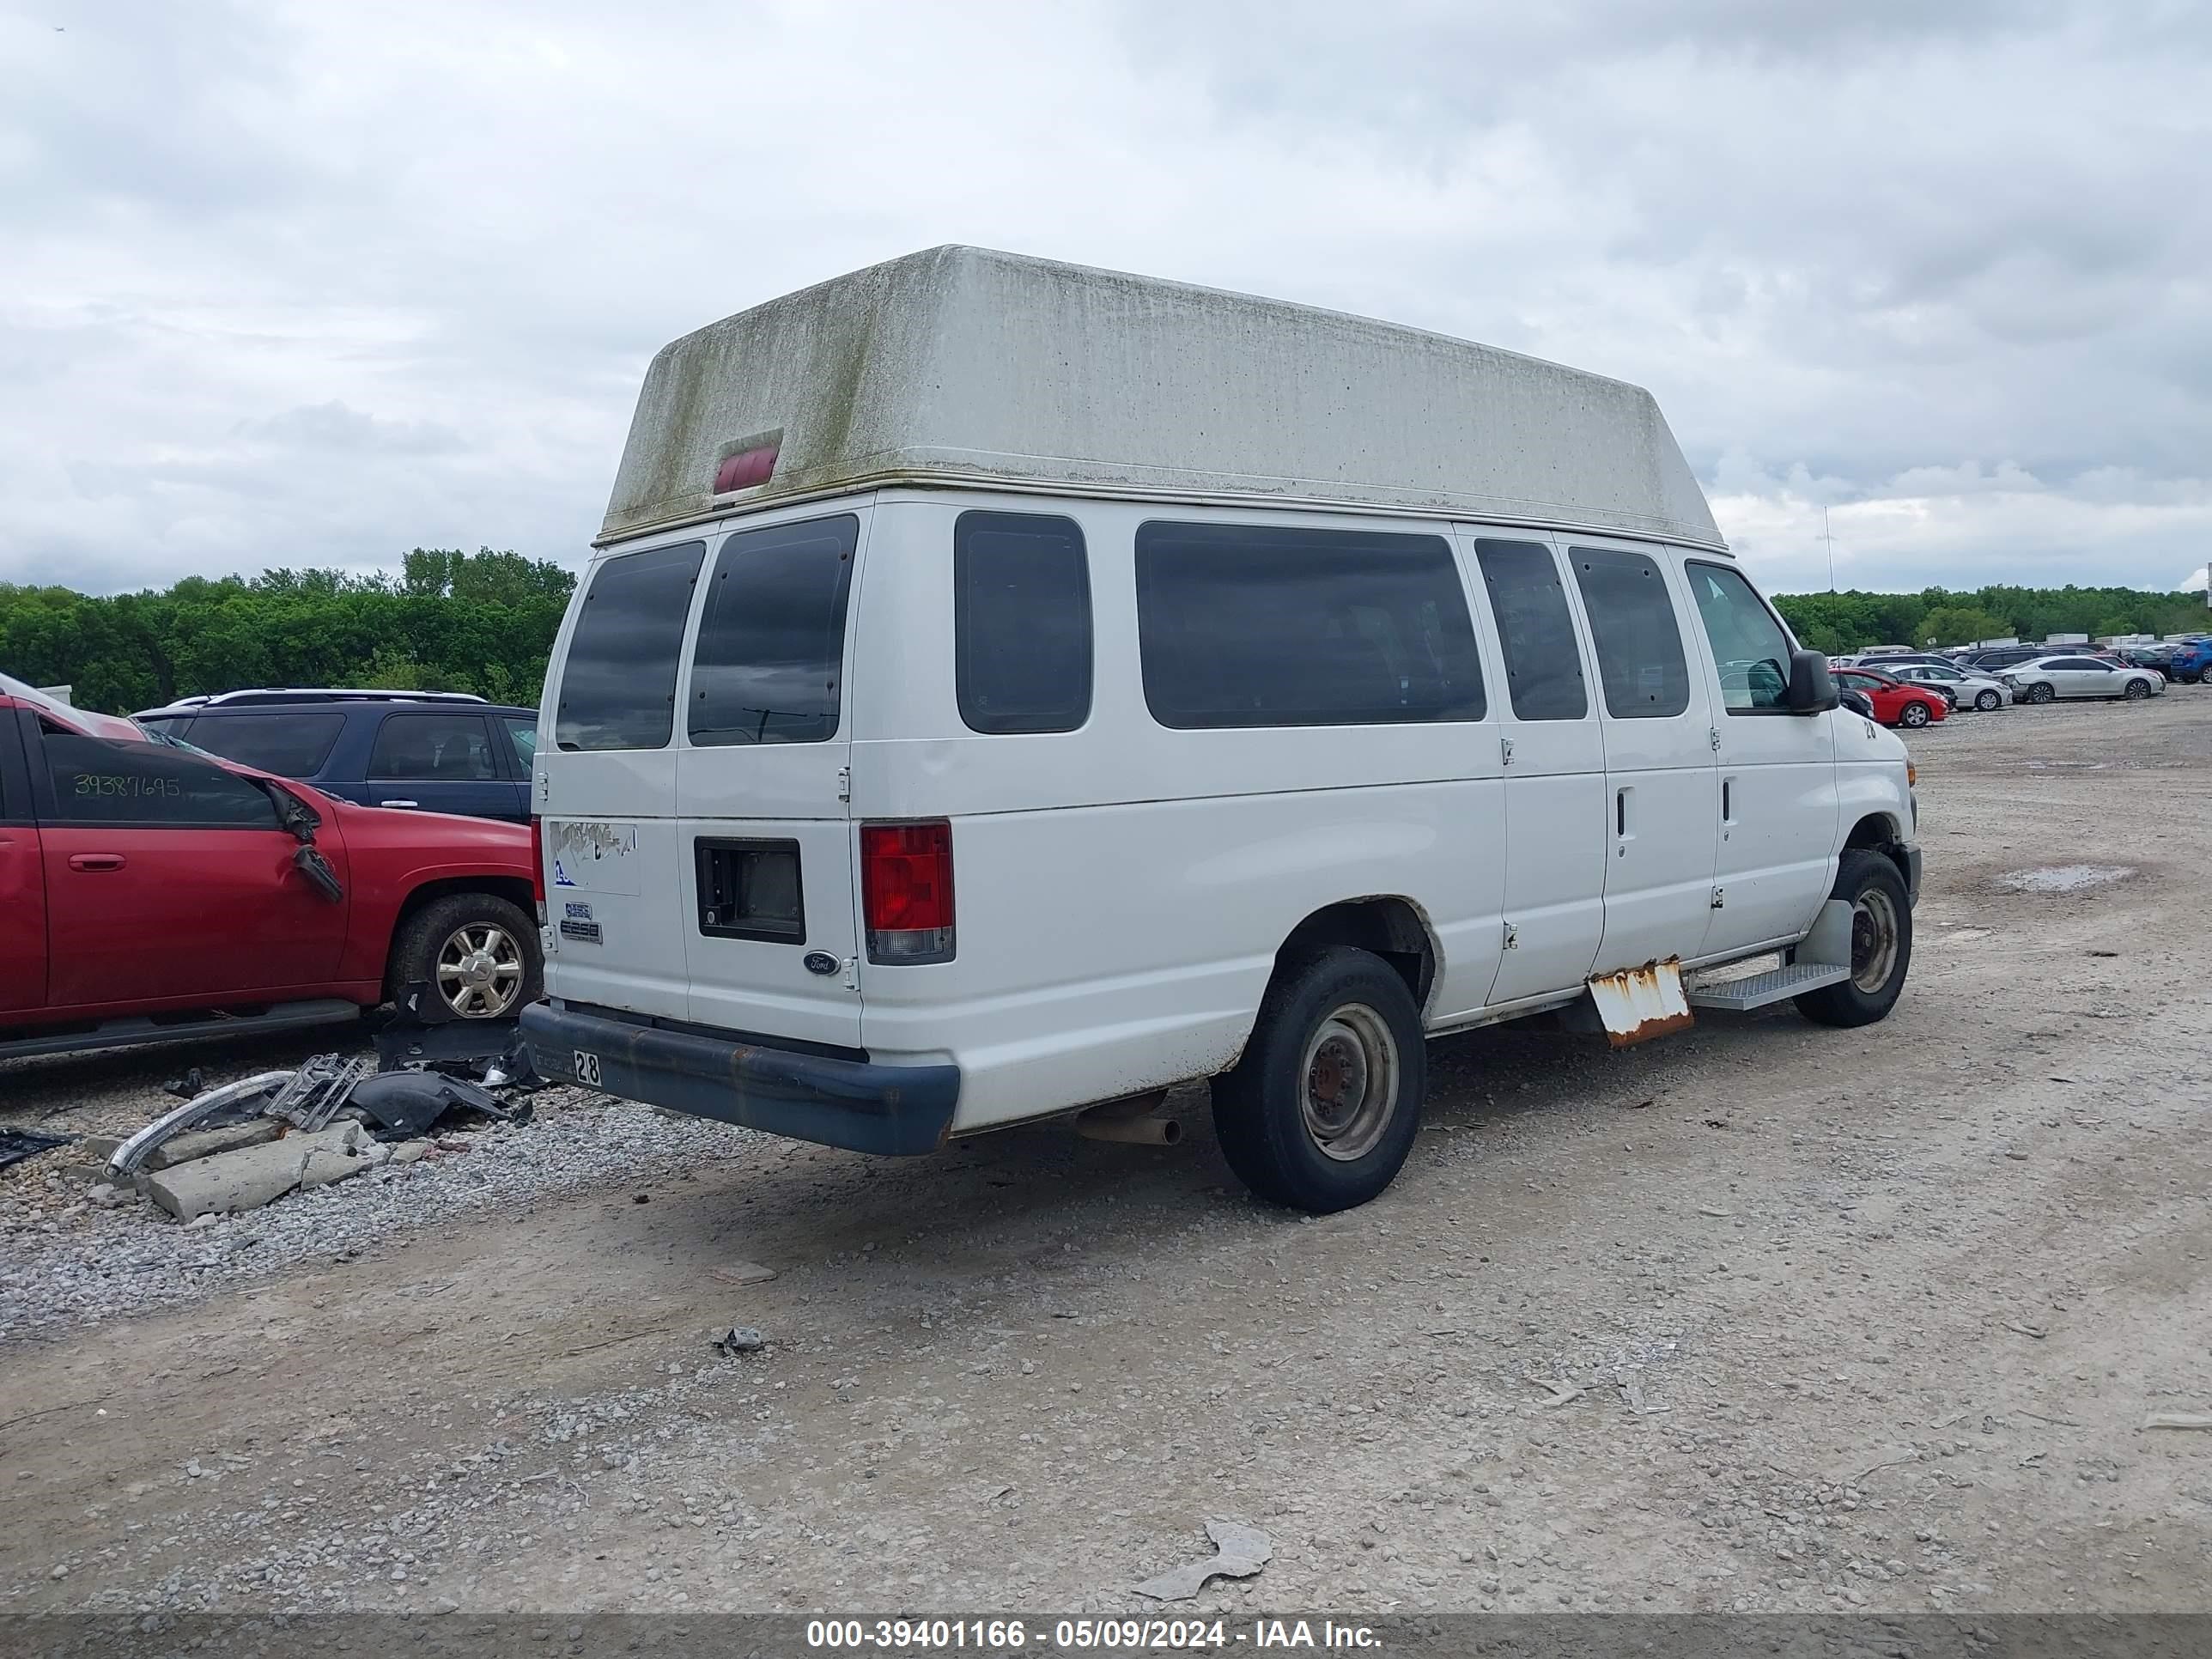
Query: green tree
{"points": [[1960, 624]]}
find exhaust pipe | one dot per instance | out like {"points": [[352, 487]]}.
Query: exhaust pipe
{"points": [[1131, 1122]]}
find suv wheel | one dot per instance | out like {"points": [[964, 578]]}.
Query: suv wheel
{"points": [[1881, 943], [1322, 1108], [477, 953]]}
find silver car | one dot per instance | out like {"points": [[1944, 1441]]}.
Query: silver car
{"points": [[2045, 680], [1966, 690]]}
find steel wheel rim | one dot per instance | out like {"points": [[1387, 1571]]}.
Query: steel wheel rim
{"points": [[1348, 1082], [1874, 940], [480, 970]]}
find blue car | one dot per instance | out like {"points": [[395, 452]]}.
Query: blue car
{"points": [[424, 751]]}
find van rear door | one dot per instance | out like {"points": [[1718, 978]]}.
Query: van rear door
{"points": [[606, 792], [766, 866]]}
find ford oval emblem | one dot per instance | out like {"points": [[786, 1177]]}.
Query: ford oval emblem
{"points": [[820, 961]]}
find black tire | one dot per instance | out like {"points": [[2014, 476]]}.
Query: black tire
{"points": [[1988, 701], [1914, 715], [2137, 691], [1261, 1109], [1872, 885], [2041, 692], [437, 929]]}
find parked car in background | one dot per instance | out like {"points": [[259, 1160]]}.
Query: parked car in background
{"points": [[2000, 657], [1964, 690], [151, 891], [2049, 679], [2190, 662], [1887, 651], [2159, 659], [428, 751], [1894, 702]]}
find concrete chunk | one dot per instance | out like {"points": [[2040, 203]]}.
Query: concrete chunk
{"points": [[206, 1143], [251, 1177]]}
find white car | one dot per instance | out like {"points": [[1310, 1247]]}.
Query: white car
{"points": [[2046, 679], [962, 723], [1966, 691]]}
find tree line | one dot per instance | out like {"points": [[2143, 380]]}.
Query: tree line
{"points": [[484, 622]]}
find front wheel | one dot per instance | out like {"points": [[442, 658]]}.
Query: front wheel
{"points": [[1987, 701], [1914, 715], [476, 951], [2137, 691], [1322, 1108], [1881, 943]]}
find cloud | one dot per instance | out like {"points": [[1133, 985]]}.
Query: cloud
{"points": [[297, 283]]}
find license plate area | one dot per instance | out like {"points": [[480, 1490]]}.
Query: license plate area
{"points": [[750, 888]]}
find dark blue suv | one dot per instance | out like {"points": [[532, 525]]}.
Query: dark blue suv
{"points": [[433, 751]]}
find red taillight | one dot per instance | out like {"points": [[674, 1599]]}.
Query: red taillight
{"points": [[538, 864], [906, 892]]}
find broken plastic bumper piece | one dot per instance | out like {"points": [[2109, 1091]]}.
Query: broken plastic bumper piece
{"points": [[899, 1110]]}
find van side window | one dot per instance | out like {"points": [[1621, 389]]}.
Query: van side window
{"points": [[1246, 625], [1749, 646], [1021, 622], [771, 647], [1543, 662], [618, 684], [1639, 644]]}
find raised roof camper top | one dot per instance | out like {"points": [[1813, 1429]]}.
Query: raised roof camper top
{"points": [[959, 366]]}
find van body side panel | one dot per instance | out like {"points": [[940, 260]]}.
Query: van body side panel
{"points": [[1122, 888]]}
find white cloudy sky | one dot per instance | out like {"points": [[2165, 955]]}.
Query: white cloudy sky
{"points": [[312, 284]]}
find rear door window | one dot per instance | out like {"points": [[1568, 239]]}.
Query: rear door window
{"points": [[1639, 644], [618, 684], [426, 748], [1021, 622], [771, 647], [1543, 662], [1254, 625], [523, 735], [290, 745]]}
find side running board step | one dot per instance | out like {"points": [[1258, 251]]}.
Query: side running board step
{"points": [[1757, 990]]}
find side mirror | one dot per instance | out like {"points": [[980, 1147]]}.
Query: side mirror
{"points": [[1812, 687]]}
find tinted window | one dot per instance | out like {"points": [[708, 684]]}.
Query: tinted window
{"points": [[1543, 663], [443, 748], [2080, 662], [619, 684], [772, 642], [525, 734], [1639, 645], [1021, 622], [96, 781], [1243, 625], [1749, 646], [290, 745]]}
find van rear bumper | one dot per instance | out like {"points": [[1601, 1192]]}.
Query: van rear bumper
{"points": [[899, 1110]]}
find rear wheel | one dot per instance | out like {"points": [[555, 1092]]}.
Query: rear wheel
{"points": [[1321, 1110], [1913, 714], [2041, 692], [1987, 701], [477, 953], [1881, 943]]}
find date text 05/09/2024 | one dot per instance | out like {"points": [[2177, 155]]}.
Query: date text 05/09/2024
{"points": [[1081, 1635]]}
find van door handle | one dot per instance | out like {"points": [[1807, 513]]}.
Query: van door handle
{"points": [[96, 861], [1621, 813], [399, 803]]}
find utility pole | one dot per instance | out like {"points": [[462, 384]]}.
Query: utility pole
{"points": [[1828, 536]]}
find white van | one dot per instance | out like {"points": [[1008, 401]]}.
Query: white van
{"points": [[1006, 690]]}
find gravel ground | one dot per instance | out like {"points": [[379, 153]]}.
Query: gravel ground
{"points": [[1765, 1317]]}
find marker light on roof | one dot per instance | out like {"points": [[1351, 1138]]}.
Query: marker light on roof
{"points": [[746, 469]]}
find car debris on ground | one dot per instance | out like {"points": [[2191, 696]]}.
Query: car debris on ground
{"points": [[246, 1144], [16, 1145]]}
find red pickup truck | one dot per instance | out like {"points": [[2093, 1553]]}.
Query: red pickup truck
{"points": [[149, 891]]}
